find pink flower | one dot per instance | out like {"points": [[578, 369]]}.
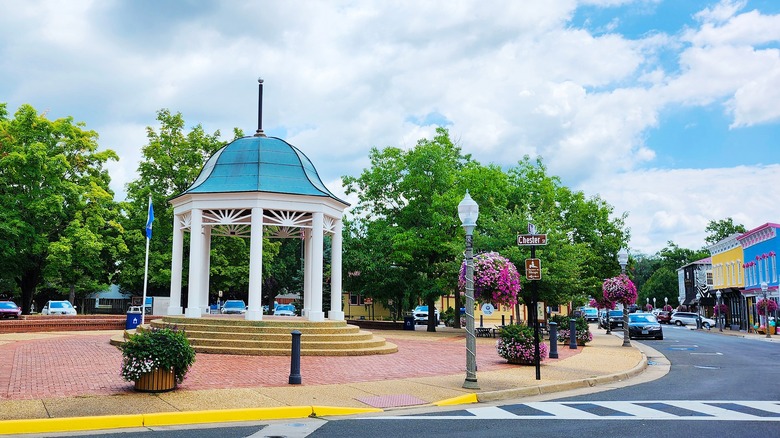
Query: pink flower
{"points": [[496, 279], [619, 289]]}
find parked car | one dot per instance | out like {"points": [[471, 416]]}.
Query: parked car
{"points": [[663, 316], [685, 318], [284, 310], [421, 315], [591, 314], [9, 309], [615, 319], [233, 306], [644, 325], [58, 308]]}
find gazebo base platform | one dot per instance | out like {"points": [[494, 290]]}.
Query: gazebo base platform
{"points": [[225, 334]]}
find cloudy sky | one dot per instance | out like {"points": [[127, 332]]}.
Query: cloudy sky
{"points": [[667, 109]]}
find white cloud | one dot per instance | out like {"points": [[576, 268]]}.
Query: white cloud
{"points": [[511, 78], [677, 204]]}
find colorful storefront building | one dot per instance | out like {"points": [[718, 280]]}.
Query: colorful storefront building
{"points": [[728, 278], [760, 246]]}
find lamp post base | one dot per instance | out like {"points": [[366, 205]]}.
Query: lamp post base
{"points": [[470, 384]]}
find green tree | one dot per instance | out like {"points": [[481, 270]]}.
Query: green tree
{"points": [[57, 216], [662, 284], [719, 230], [409, 198]]}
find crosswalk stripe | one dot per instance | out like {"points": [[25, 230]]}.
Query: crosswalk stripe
{"points": [[633, 410]]}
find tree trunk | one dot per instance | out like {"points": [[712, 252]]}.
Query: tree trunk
{"points": [[431, 315], [27, 283]]}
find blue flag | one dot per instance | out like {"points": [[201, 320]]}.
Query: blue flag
{"points": [[149, 220]]}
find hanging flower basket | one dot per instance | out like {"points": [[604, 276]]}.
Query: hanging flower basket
{"points": [[496, 279], [766, 305], [720, 309], [619, 289]]}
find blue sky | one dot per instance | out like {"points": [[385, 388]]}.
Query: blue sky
{"points": [[667, 109]]}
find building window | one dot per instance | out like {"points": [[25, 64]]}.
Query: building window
{"points": [[355, 299]]}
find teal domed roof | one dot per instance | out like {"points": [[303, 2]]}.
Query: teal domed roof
{"points": [[260, 164]]}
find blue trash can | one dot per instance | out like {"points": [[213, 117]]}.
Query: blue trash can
{"points": [[408, 322], [133, 320]]}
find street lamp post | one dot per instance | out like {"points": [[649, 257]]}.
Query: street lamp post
{"points": [[764, 289], [666, 302], [654, 306], [468, 211], [720, 311], [623, 260], [648, 302]]}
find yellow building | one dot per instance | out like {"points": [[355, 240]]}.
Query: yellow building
{"points": [[728, 277]]}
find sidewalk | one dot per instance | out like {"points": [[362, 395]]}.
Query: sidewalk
{"points": [[50, 381]]}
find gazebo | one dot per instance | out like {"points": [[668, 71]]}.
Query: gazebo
{"points": [[257, 187]]}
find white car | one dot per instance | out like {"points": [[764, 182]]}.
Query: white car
{"points": [[58, 308], [421, 315], [685, 318]]}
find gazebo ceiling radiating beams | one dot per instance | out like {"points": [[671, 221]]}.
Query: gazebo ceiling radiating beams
{"points": [[277, 224]]}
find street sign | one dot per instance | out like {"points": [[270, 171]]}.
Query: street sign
{"points": [[368, 301], [531, 239], [533, 269], [488, 309]]}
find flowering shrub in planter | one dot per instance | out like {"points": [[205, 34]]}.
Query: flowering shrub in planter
{"points": [[516, 344], [496, 279], [156, 349]]}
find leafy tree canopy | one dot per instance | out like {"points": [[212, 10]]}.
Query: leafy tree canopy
{"points": [[58, 221], [719, 230]]}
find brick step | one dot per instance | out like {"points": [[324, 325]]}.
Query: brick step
{"points": [[272, 336], [235, 335], [255, 327], [286, 344], [387, 348]]}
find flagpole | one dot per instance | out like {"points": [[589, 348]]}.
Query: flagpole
{"points": [[149, 220], [146, 276]]}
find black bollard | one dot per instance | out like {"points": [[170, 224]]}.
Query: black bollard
{"points": [[572, 334], [511, 319], [553, 340], [480, 320], [502, 320], [295, 358]]}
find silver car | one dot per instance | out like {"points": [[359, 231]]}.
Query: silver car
{"points": [[685, 318]]}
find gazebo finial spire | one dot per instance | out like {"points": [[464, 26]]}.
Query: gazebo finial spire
{"points": [[259, 132]]}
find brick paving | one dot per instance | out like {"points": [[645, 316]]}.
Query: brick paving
{"points": [[69, 365]]}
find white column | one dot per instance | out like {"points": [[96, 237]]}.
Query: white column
{"points": [[316, 314], [307, 259], [206, 270], [255, 311], [336, 313], [174, 308], [196, 253]]}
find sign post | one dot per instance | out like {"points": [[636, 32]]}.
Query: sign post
{"points": [[533, 272]]}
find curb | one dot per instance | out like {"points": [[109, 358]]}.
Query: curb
{"points": [[106, 422]]}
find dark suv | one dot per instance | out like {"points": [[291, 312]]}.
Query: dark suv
{"points": [[615, 319]]}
